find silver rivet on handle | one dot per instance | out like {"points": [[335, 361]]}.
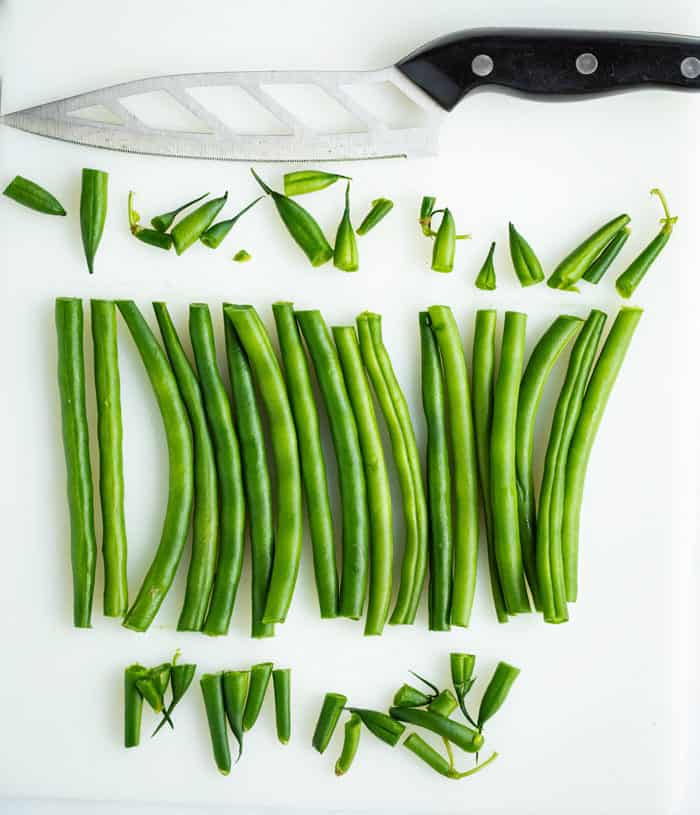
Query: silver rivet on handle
{"points": [[690, 67], [586, 64], [482, 65]]}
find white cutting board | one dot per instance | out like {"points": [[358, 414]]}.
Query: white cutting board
{"points": [[599, 721]]}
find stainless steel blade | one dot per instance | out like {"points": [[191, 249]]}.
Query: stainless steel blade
{"points": [[374, 137]]}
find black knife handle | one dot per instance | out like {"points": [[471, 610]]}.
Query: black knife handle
{"points": [[551, 62]]}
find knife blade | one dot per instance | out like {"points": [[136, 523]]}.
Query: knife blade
{"points": [[541, 63]]}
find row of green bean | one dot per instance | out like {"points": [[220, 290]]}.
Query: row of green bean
{"points": [[219, 474]]}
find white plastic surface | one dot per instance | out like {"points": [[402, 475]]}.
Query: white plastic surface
{"points": [[601, 719]]}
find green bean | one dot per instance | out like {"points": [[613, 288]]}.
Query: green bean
{"points": [[504, 494], [486, 279], [31, 195], [445, 244], [281, 683], [550, 577], [242, 256], [133, 705], [496, 692], [345, 254], [301, 182], [270, 382], [259, 680], [151, 687], [376, 476], [525, 262], [462, 669], [93, 212], [400, 452], [438, 479], [161, 240], [162, 223], [301, 225], [76, 445], [256, 478], [544, 355], [464, 737], [178, 434], [213, 237], [626, 284], [427, 205], [191, 228], [483, 375], [420, 747], [381, 207], [181, 677], [332, 707], [384, 727], [459, 417], [401, 407], [444, 704], [408, 696], [235, 687], [205, 525], [574, 265], [313, 465], [597, 394], [353, 492], [594, 273], [351, 741], [212, 691], [109, 435], [228, 466]]}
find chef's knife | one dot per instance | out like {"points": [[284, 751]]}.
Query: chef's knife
{"points": [[541, 63]]}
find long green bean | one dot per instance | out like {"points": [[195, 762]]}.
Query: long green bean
{"points": [[76, 444], [109, 435], [256, 478], [205, 523], [483, 374], [438, 479], [503, 482], [550, 576], [353, 491], [466, 507], [381, 547], [544, 355], [597, 394], [408, 432], [273, 393], [161, 573], [228, 467], [213, 693], [400, 614], [313, 463]]}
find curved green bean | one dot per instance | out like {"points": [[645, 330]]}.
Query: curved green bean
{"points": [[407, 430], [332, 707], [381, 547], [178, 434], [438, 479], [205, 523], [256, 478], [313, 463], [459, 414], [483, 374], [109, 435], [550, 576], [401, 610], [268, 377], [351, 476], [597, 394], [228, 467], [544, 355], [76, 444], [503, 482], [351, 741]]}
